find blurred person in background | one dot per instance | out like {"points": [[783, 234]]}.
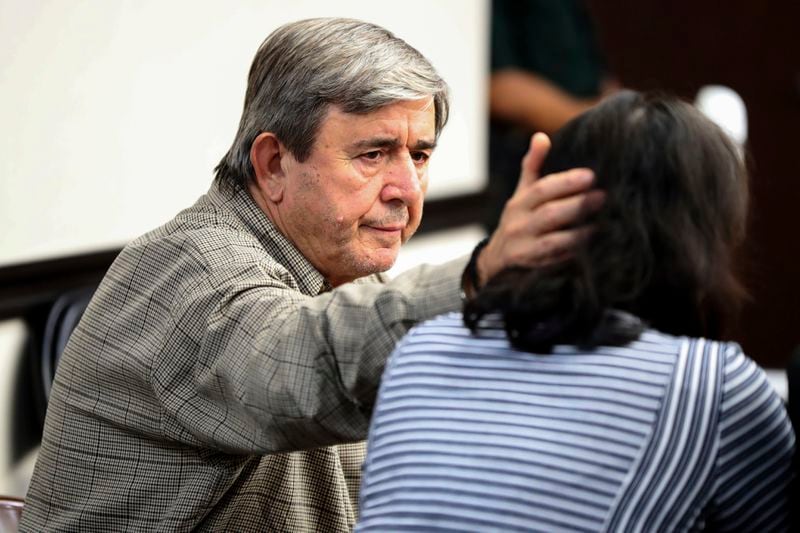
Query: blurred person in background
{"points": [[546, 68]]}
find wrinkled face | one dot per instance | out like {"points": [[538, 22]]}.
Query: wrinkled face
{"points": [[359, 195]]}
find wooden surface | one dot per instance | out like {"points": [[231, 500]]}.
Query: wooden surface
{"points": [[754, 48]]}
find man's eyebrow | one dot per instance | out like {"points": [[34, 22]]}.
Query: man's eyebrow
{"points": [[376, 142], [390, 142], [422, 144]]}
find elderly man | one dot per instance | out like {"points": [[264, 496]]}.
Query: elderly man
{"points": [[225, 371]]}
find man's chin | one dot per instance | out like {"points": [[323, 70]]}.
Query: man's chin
{"points": [[380, 260], [386, 262]]}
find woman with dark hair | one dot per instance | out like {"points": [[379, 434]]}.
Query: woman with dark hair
{"points": [[597, 393]]}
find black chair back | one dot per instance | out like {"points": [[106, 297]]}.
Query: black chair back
{"points": [[65, 314]]}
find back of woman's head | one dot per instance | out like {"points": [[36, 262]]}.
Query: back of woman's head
{"points": [[663, 244]]}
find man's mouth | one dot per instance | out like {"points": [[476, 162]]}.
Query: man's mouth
{"points": [[388, 229]]}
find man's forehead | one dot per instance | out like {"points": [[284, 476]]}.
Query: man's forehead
{"points": [[413, 118], [423, 107]]}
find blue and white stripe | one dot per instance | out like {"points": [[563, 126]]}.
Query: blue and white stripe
{"points": [[471, 435]]}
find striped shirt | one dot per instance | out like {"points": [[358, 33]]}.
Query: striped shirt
{"points": [[666, 433]]}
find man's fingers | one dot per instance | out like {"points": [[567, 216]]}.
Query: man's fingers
{"points": [[555, 186], [542, 223], [557, 246], [546, 250], [532, 162], [540, 145], [530, 252], [566, 212]]}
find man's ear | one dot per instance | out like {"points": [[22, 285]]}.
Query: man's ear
{"points": [[266, 154]]}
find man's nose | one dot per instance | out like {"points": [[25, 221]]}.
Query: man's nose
{"points": [[403, 181]]}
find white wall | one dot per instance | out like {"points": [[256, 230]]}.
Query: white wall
{"points": [[115, 112]]}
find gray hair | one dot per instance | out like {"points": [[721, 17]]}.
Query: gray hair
{"points": [[304, 67]]}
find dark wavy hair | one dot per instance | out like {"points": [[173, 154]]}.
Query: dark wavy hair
{"points": [[663, 245]]}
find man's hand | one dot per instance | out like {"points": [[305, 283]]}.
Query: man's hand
{"points": [[531, 229]]}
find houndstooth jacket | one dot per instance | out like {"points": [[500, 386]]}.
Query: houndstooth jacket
{"points": [[217, 383]]}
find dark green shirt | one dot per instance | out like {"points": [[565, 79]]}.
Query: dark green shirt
{"points": [[552, 38]]}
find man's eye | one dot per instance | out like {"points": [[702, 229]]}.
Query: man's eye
{"points": [[374, 155], [420, 157]]}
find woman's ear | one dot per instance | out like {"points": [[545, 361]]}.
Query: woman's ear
{"points": [[266, 154]]}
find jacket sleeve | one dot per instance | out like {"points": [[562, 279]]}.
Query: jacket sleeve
{"points": [[269, 369]]}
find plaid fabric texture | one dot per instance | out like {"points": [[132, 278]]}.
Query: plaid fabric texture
{"points": [[217, 383]]}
